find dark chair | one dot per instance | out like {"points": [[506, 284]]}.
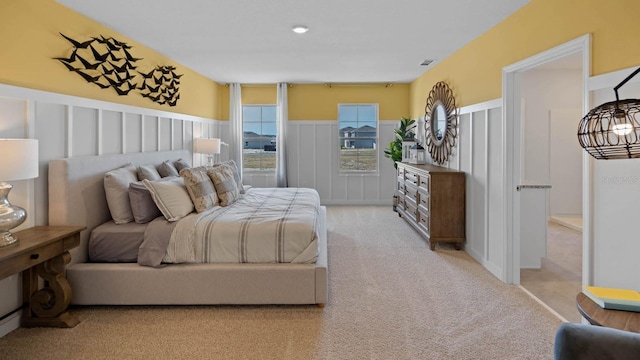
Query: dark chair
{"points": [[586, 342]]}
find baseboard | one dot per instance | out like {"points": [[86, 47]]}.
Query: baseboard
{"points": [[10, 323]]}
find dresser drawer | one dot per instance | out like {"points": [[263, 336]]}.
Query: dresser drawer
{"points": [[28, 259], [411, 209], [401, 186], [424, 182], [411, 192], [423, 219], [411, 178], [424, 198]]}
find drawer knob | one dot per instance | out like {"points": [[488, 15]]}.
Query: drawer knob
{"points": [[35, 256]]}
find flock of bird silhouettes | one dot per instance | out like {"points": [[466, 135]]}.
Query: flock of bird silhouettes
{"points": [[108, 63]]}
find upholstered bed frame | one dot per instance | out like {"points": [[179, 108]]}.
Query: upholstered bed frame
{"points": [[77, 197]]}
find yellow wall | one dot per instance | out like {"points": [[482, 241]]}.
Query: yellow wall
{"points": [[475, 72], [319, 102], [29, 39], [259, 94]]}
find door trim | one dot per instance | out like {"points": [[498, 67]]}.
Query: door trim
{"points": [[511, 160]]}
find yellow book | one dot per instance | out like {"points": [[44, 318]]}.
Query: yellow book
{"points": [[616, 299]]}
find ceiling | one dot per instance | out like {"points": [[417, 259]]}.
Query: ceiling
{"points": [[349, 41]]}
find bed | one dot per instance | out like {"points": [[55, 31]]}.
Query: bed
{"points": [[77, 197]]}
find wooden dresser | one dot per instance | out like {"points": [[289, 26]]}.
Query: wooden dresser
{"points": [[432, 199]]}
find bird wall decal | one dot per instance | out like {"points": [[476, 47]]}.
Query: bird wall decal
{"points": [[108, 62]]}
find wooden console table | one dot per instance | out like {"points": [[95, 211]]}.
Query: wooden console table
{"points": [[617, 319], [42, 251]]}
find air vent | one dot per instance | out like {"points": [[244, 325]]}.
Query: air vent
{"points": [[426, 62]]}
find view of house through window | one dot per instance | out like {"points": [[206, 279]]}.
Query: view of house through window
{"points": [[358, 137], [259, 138]]}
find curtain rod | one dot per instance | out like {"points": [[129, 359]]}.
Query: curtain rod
{"points": [[387, 85], [328, 84], [258, 85]]}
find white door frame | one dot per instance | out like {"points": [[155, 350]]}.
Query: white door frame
{"points": [[512, 140]]}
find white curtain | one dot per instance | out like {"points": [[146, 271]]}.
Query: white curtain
{"points": [[281, 138], [235, 120]]}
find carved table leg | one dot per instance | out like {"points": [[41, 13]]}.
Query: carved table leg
{"points": [[46, 306]]}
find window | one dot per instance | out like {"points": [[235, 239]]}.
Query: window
{"points": [[259, 138], [358, 137]]}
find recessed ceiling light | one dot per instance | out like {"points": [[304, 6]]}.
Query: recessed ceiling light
{"points": [[300, 29]]}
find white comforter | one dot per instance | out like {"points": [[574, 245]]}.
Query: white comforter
{"points": [[270, 225]]}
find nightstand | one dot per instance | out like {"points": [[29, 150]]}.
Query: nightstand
{"points": [[42, 252]]}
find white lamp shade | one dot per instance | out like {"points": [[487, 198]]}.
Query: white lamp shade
{"points": [[207, 146], [18, 159]]}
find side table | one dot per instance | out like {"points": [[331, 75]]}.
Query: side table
{"points": [[617, 319], [42, 252]]}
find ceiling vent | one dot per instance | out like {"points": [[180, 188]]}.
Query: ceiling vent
{"points": [[426, 62]]}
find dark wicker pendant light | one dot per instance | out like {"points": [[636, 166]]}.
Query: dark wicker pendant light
{"points": [[612, 130]]}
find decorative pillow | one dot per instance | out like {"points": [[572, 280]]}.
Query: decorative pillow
{"points": [[142, 205], [225, 184], [181, 164], [234, 169], [148, 172], [236, 174], [116, 188], [200, 188], [171, 197], [167, 169]]}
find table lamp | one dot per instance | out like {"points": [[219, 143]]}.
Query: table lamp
{"points": [[207, 146], [18, 161]]}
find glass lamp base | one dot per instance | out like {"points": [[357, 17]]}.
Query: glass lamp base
{"points": [[7, 238], [10, 216]]}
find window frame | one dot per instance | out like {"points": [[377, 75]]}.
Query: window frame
{"points": [[376, 139], [260, 171]]}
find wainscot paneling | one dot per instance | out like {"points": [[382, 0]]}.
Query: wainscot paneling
{"points": [[479, 153], [313, 158], [68, 126]]}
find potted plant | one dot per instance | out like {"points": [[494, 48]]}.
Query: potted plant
{"points": [[404, 132]]}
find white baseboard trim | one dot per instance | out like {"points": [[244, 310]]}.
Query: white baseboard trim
{"points": [[10, 323]]}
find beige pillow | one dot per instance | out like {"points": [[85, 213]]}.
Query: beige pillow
{"points": [[225, 184], [116, 188], [236, 174], [167, 169], [148, 172], [200, 188], [234, 170], [171, 197]]}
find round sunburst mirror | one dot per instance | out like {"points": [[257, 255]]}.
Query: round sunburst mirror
{"points": [[441, 122]]}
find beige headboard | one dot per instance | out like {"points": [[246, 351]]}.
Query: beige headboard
{"points": [[76, 189]]}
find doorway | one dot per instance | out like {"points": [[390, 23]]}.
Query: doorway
{"points": [[534, 147]]}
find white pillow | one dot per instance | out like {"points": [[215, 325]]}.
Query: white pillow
{"points": [[116, 188], [171, 197]]}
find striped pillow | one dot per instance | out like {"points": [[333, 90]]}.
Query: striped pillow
{"points": [[200, 188], [171, 197]]}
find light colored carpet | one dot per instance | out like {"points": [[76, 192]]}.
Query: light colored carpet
{"points": [[390, 298]]}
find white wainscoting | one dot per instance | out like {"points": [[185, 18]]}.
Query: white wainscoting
{"points": [[312, 157], [68, 126], [478, 152]]}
